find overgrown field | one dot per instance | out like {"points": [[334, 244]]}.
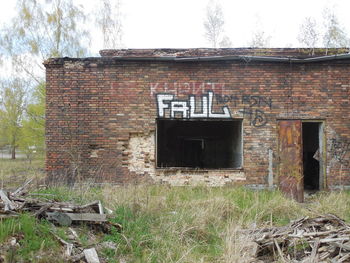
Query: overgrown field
{"points": [[164, 224]]}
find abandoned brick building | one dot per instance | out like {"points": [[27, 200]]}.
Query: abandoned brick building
{"points": [[258, 117]]}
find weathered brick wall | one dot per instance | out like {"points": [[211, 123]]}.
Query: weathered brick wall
{"points": [[101, 115]]}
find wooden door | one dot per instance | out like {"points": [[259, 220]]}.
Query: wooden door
{"points": [[290, 153]]}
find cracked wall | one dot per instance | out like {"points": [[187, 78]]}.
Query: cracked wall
{"points": [[141, 152]]}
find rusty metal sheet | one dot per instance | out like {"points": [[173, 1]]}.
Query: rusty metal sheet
{"points": [[290, 150]]}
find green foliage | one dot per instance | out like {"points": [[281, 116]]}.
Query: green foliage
{"points": [[22, 125], [40, 30], [168, 224], [46, 29], [136, 236], [12, 106], [32, 236], [32, 141]]}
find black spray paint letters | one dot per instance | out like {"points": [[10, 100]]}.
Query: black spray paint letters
{"points": [[248, 100], [339, 149], [256, 117], [187, 108]]}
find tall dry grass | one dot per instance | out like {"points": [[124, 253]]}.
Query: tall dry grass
{"points": [[189, 224]]}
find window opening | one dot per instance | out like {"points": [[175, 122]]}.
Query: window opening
{"points": [[206, 144]]}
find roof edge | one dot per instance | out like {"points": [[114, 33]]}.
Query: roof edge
{"points": [[242, 58]]}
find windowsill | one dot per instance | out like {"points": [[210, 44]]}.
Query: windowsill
{"points": [[198, 169]]}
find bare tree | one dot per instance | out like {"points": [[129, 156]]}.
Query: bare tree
{"points": [[214, 25], [108, 19], [260, 39], [334, 35], [308, 34], [225, 42]]}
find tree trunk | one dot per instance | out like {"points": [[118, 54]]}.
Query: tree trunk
{"points": [[13, 152]]}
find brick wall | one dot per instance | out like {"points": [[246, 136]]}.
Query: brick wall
{"points": [[101, 115]]}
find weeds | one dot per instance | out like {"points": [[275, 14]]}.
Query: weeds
{"points": [[14, 173], [172, 224], [34, 239]]}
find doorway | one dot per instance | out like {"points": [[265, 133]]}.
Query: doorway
{"points": [[312, 138]]}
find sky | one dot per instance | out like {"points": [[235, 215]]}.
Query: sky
{"points": [[179, 23]]}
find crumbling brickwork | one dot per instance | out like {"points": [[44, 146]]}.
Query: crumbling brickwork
{"points": [[101, 112]]}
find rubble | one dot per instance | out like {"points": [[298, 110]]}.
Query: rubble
{"points": [[12, 204], [325, 238]]}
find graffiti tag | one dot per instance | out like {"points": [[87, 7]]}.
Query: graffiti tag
{"points": [[257, 118], [187, 108], [186, 88], [339, 149], [248, 100]]}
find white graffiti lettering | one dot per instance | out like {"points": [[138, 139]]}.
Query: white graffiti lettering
{"points": [[161, 103], [187, 109]]}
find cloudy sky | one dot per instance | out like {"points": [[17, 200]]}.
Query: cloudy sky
{"points": [[179, 23]]}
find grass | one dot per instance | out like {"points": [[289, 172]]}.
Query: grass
{"points": [[200, 224], [171, 224], [35, 240], [14, 173]]}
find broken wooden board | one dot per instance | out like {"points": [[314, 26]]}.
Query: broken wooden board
{"points": [[67, 218], [9, 205], [20, 189], [87, 217]]}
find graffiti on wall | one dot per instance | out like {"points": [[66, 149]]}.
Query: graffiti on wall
{"points": [[186, 88], [257, 118], [247, 100], [187, 108], [339, 150], [253, 107], [201, 98]]}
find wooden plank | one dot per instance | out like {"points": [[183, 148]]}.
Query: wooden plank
{"points": [[91, 255], [313, 257], [64, 209], [328, 240], [94, 203], [79, 216], [100, 207], [20, 189], [9, 205], [87, 217]]}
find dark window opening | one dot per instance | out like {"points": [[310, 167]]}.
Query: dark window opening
{"points": [[311, 155], [206, 144]]}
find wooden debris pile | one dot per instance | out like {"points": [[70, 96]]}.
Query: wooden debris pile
{"points": [[61, 214], [322, 239]]}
